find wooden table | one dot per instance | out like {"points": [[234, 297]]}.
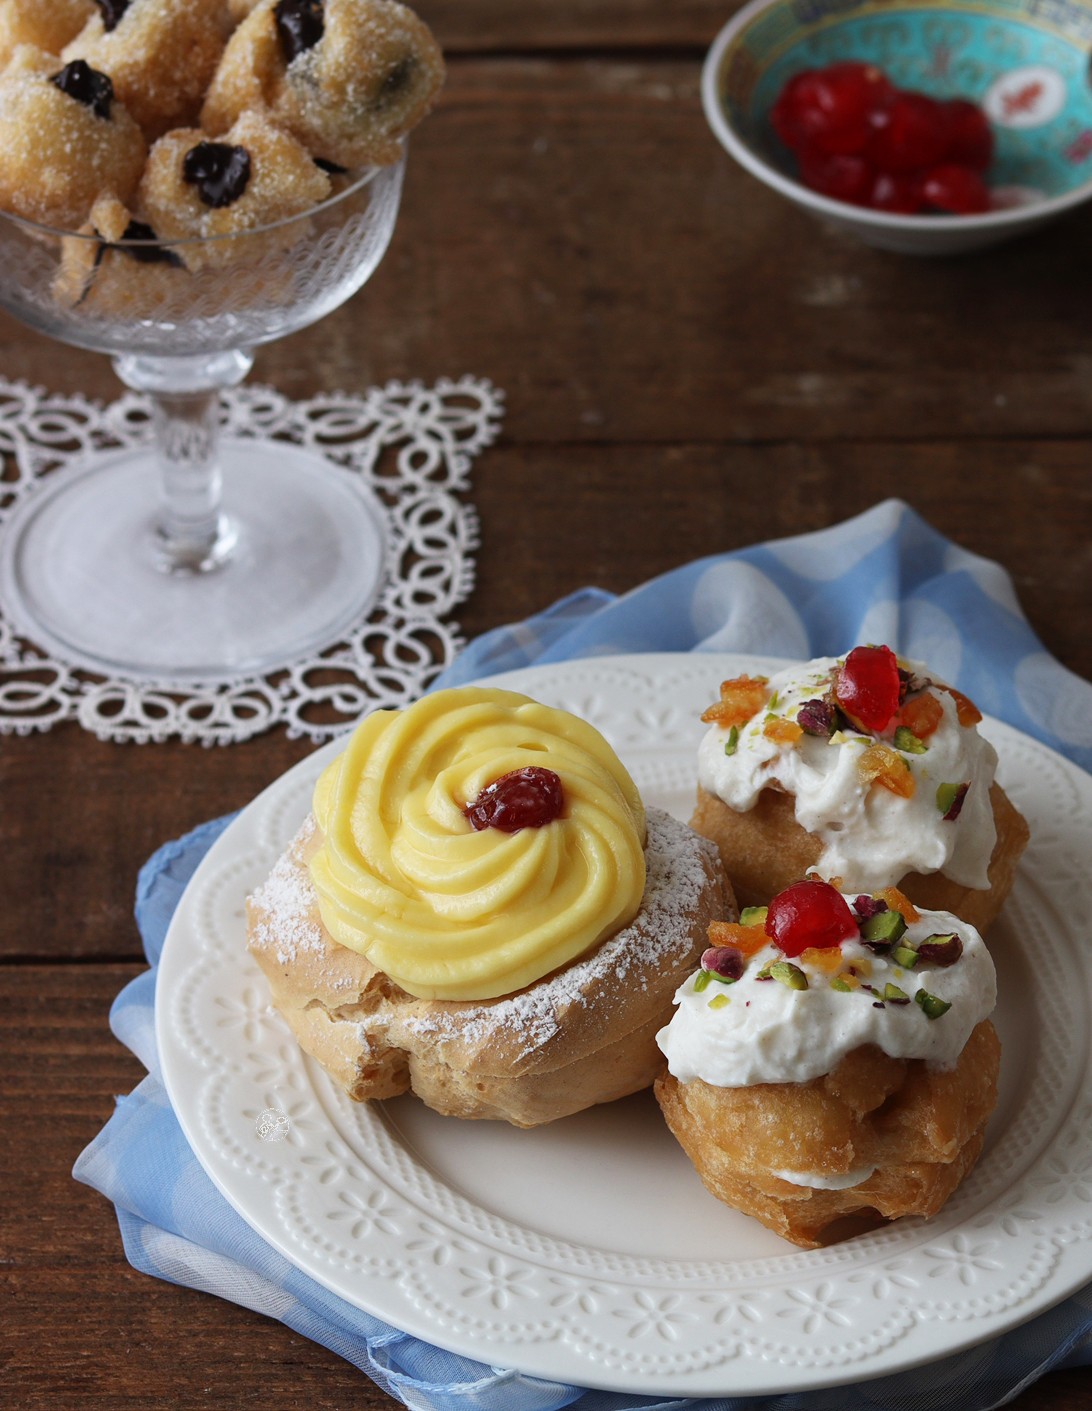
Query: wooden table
{"points": [[690, 365]]}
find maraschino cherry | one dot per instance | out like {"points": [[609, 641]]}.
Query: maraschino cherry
{"points": [[809, 914]]}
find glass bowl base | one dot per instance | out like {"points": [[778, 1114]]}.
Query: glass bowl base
{"points": [[80, 571]]}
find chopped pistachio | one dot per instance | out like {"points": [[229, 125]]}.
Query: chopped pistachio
{"points": [[722, 979], [943, 950], [932, 1006], [753, 915], [770, 715], [732, 740], [894, 995], [773, 703], [701, 980], [884, 929], [789, 975], [719, 1001], [842, 985], [908, 742], [904, 956], [766, 972], [838, 738]]}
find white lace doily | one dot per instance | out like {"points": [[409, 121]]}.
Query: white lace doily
{"points": [[413, 444]]}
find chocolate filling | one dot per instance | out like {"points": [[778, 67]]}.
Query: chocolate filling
{"points": [[112, 11], [80, 81], [152, 254], [300, 26], [219, 172]]}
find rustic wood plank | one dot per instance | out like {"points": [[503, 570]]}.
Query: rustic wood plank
{"points": [[84, 1329], [485, 25], [89, 813], [573, 231]]}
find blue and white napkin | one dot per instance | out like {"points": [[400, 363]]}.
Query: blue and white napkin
{"points": [[884, 576]]}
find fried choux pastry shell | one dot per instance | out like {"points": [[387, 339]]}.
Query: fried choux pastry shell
{"points": [[47, 24], [583, 1035], [765, 849], [921, 1130]]}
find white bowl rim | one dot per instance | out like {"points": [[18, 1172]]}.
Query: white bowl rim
{"points": [[844, 210]]}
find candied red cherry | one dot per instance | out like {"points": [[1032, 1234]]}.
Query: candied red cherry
{"points": [[826, 110], [908, 133], [955, 189], [867, 689], [809, 914], [525, 798], [843, 178], [970, 141], [898, 194]]}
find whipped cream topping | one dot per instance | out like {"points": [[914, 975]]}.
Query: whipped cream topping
{"points": [[871, 837], [768, 1033]]}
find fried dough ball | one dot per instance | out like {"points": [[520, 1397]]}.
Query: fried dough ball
{"points": [[160, 54], [101, 275], [239, 9], [920, 1129], [258, 174], [64, 140], [348, 78], [47, 24]]}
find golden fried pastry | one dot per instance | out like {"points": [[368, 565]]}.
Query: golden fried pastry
{"points": [[160, 54], [65, 140], [476, 912], [47, 24], [348, 78], [258, 175], [115, 267], [765, 849], [918, 1130], [864, 769], [833, 1056]]}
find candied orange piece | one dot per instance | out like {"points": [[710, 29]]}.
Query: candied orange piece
{"points": [[921, 716], [880, 764], [897, 902], [966, 710], [782, 731], [826, 960], [740, 698], [747, 939]]}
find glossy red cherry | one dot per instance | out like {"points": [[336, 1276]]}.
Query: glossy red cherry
{"points": [[955, 189], [970, 141], [525, 798], [827, 110], [867, 689], [907, 134], [809, 913], [843, 178], [899, 194]]}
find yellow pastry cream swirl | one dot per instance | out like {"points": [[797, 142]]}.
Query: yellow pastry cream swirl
{"points": [[453, 913]]}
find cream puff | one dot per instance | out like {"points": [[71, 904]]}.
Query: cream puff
{"points": [[478, 909]]}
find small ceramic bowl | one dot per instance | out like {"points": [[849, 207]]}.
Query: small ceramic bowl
{"points": [[1024, 62]]}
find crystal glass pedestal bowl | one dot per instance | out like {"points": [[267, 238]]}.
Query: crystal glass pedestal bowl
{"points": [[197, 559]]}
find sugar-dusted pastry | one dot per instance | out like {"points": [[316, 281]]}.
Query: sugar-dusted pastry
{"points": [[116, 267], [478, 911], [47, 24], [864, 769], [833, 1057], [348, 78], [256, 175], [65, 140], [160, 54]]}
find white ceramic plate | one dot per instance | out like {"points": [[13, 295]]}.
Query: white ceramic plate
{"points": [[587, 1251]]}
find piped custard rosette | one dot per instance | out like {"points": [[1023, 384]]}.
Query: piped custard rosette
{"points": [[867, 768], [479, 909]]}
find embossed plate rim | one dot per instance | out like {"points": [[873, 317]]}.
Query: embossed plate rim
{"points": [[205, 1071]]}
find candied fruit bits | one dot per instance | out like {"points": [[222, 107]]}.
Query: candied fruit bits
{"points": [[160, 54], [746, 939], [740, 699], [524, 798], [966, 711], [47, 24], [825, 960], [897, 902], [880, 764], [868, 687], [282, 182], [348, 94], [827, 110], [955, 189], [57, 154], [921, 715], [781, 731], [809, 915]]}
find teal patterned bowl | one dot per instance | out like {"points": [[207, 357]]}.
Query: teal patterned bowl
{"points": [[1025, 62]]}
